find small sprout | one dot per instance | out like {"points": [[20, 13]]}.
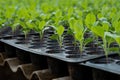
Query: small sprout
{"points": [[59, 30]]}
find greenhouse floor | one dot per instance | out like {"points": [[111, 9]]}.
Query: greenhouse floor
{"points": [[12, 69]]}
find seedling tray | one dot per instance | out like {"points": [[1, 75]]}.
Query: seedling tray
{"points": [[43, 51], [6, 32], [111, 66]]}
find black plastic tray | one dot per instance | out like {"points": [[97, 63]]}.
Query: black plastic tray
{"points": [[42, 51], [111, 67], [6, 32]]}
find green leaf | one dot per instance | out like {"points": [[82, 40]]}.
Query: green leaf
{"points": [[110, 35], [23, 13], [109, 40], [78, 27], [87, 41], [43, 16], [114, 36], [72, 23], [117, 38], [79, 30], [30, 24], [15, 26], [98, 30], [41, 25], [45, 7], [69, 32], [90, 20], [70, 12], [58, 13], [105, 25], [114, 49], [54, 37], [80, 13], [116, 26], [78, 37], [9, 12], [60, 30], [99, 15]]}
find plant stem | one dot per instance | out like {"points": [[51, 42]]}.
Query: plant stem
{"points": [[25, 33], [60, 41], [105, 49], [41, 35], [81, 47]]}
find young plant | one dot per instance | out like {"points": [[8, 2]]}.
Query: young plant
{"points": [[78, 32], [41, 28], [116, 26], [23, 18], [116, 34], [69, 13], [98, 30], [10, 15], [101, 31], [57, 17], [14, 24], [71, 30], [39, 22], [25, 29], [59, 30], [90, 20], [112, 38], [117, 39]]}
